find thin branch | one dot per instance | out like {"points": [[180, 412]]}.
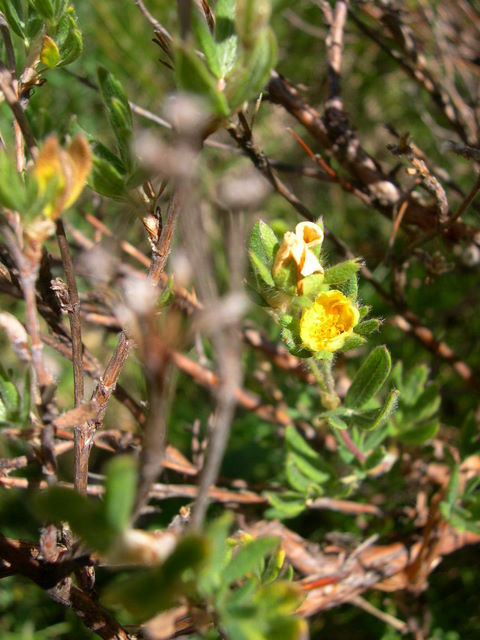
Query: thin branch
{"points": [[47, 575], [7, 87], [153, 21], [9, 50], [77, 346], [245, 140], [397, 624], [100, 397], [161, 249], [442, 228]]}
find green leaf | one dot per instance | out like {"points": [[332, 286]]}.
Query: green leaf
{"points": [[45, 8], [216, 535], [50, 55], [353, 342], [369, 379], [120, 490], [285, 505], [105, 179], [12, 188], [426, 405], [284, 628], [14, 20], [296, 443], [225, 35], [145, 593], [118, 110], [274, 566], [264, 243], [292, 342], [286, 278], [367, 327], [413, 384], [261, 270], [24, 407], [193, 76], [376, 436], [310, 470], [349, 288], [452, 493], [9, 393], [33, 25], [340, 273], [364, 311], [249, 78], [469, 436], [420, 432], [3, 413], [71, 46], [68, 36], [372, 421], [296, 479], [337, 423], [206, 42], [251, 18], [278, 599], [248, 558]]}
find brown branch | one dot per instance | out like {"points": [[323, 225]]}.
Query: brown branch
{"points": [[9, 50], [335, 578], [414, 64], [23, 559], [7, 87], [449, 223], [243, 137], [100, 397], [162, 247], [334, 45], [80, 430], [246, 399], [336, 136]]}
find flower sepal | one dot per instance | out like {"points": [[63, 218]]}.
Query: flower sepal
{"points": [[340, 273], [264, 243], [285, 279], [367, 327], [293, 344], [322, 355], [301, 302], [354, 342], [312, 285]]}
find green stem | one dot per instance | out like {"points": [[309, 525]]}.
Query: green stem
{"points": [[322, 371], [317, 374]]}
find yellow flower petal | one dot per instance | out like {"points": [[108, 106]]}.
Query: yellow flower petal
{"points": [[310, 233], [291, 249], [297, 247], [48, 165], [69, 167], [327, 324], [311, 264], [80, 159]]}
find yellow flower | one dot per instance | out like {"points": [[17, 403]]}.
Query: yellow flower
{"points": [[327, 324], [69, 167], [297, 247]]}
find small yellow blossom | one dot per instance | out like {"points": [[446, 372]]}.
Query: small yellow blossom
{"points": [[327, 324], [297, 247], [70, 167]]}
